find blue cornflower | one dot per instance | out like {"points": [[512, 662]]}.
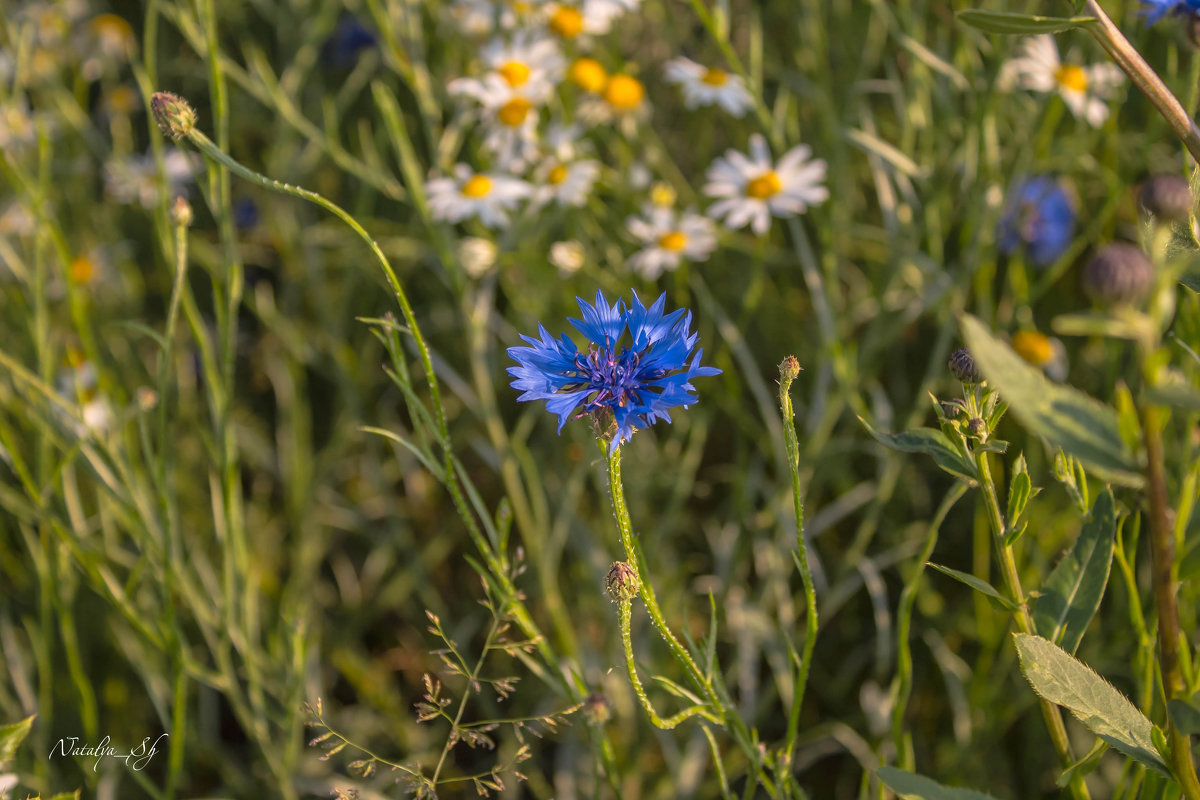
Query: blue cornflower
{"points": [[635, 368], [1041, 217], [1157, 9], [348, 40]]}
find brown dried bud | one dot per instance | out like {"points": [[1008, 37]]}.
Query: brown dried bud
{"points": [[1119, 273], [175, 117], [789, 368], [621, 582], [962, 366], [1167, 197]]}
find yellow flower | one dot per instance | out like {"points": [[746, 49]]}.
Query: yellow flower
{"points": [[624, 92], [589, 74]]}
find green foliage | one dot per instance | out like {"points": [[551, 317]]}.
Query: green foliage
{"points": [[1069, 598], [1067, 418], [1068, 682], [1008, 22], [917, 787]]}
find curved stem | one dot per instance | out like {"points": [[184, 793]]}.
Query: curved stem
{"points": [[787, 373], [634, 556], [670, 722], [1142, 76]]}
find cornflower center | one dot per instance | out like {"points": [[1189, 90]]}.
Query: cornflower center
{"points": [[514, 112], [477, 186], [1071, 77], [764, 186], [1033, 347], [624, 92], [567, 22], [674, 240], [613, 378], [557, 175], [588, 74], [715, 77], [514, 73]]}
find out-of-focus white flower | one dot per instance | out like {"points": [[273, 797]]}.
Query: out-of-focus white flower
{"points": [[77, 383], [669, 237], [567, 256], [477, 255], [750, 189], [528, 63], [106, 42], [1085, 90], [488, 196], [567, 183], [135, 179], [476, 18], [639, 176], [706, 86]]}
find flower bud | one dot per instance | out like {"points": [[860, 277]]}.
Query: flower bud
{"points": [[1167, 197], [596, 709], [789, 368], [175, 117], [181, 212], [1118, 274], [621, 582], [976, 427], [962, 366]]}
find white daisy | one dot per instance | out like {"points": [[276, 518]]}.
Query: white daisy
{"points": [[106, 43], [566, 183], [669, 237], [706, 86], [488, 196], [477, 255], [752, 189], [573, 19], [528, 63], [1085, 90], [475, 18], [567, 256], [135, 179]]}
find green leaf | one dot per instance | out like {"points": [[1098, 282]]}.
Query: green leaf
{"points": [[931, 442], [978, 585], [1060, 678], [1071, 595], [1019, 489], [1175, 395], [1009, 22], [1084, 766], [911, 786], [11, 737], [1080, 425], [1191, 281], [1186, 715]]}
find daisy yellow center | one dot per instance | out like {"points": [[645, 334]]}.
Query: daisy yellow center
{"points": [[624, 92], [557, 175], [672, 241], [764, 186], [715, 77], [1072, 77], [1033, 347], [123, 99], [112, 29], [477, 186], [514, 112], [514, 73], [662, 195], [588, 74], [567, 22], [522, 7], [82, 270]]}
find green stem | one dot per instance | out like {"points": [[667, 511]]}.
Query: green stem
{"points": [[658, 722], [787, 372], [902, 684], [1012, 580], [634, 557]]}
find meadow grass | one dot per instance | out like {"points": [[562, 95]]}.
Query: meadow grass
{"points": [[267, 489]]}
